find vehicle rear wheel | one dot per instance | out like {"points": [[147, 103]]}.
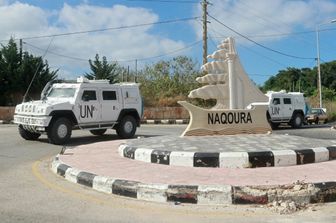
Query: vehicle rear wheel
{"points": [[127, 127], [27, 135], [59, 131], [98, 132], [297, 120]]}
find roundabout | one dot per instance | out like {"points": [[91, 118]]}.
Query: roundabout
{"points": [[100, 166]]}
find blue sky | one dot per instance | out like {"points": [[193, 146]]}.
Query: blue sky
{"points": [[287, 26]]}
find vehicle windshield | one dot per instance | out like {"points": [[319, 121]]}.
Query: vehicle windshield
{"points": [[62, 92], [315, 111]]}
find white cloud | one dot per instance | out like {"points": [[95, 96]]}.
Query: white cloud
{"points": [[3, 2], [23, 20], [258, 17], [18, 19]]}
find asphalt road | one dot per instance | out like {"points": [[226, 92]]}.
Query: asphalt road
{"points": [[325, 131], [30, 192]]}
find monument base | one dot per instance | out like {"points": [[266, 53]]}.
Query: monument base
{"points": [[226, 122]]}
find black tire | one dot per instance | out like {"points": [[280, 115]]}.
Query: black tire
{"points": [[59, 131], [297, 120], [325, 121], [27, 135], [274, 125], [317, 121], [127, 127], [98, 132]]}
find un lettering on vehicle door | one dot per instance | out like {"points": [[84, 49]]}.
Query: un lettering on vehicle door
{"points": [[88, 106], [275, 108]]}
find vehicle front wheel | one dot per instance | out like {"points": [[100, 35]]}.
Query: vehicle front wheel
{"points": [[127, 127], [98, 132], [59, 131], [297, 120], [27, 135], [274, 125]]}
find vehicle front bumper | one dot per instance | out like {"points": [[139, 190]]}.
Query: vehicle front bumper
{"points": [[36, 121], [311, 118]]}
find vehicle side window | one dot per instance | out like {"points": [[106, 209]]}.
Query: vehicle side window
{"points": [[287, 101], [109, 95], [276, 101], [89, 96]]}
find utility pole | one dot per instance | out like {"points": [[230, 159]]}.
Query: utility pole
{"points": [[205, 31], [127, 73], [318, 59], [136, 71], [319, 86], [20, 50]]}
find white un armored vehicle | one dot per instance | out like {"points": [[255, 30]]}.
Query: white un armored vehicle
{"points": [[285, 107], [94, 105]]}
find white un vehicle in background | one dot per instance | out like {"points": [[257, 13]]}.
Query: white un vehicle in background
{"points": [[283, 107], [94, 105]]}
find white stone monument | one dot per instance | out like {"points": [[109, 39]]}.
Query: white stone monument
{"points": [[228, 83]]}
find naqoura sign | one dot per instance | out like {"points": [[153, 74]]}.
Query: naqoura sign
{"points": [[225, 81], [225, 122], [229, 118]]}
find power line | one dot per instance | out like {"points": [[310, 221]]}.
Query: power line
{"points": [[56, 54], [167, 54], [166, 1], [261, 75], [282, 34], [261, 55], [38, 67], [265, 47], [111, 28], [257, 53], [138, 59]]}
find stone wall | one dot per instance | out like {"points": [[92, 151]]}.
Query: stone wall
{"points": [[165, 113], [6, 113]]}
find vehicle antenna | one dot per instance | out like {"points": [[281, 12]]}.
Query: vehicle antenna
{"points": [[38, 67]]}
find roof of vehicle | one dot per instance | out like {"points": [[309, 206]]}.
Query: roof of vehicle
{"points": [[323, 109], [84, 81], [283, 92]]}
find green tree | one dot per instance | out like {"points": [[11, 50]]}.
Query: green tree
{"points": [[103, 70], [166, 82], [16, 73], [305, 80], [288, 79], [31, 66]]}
